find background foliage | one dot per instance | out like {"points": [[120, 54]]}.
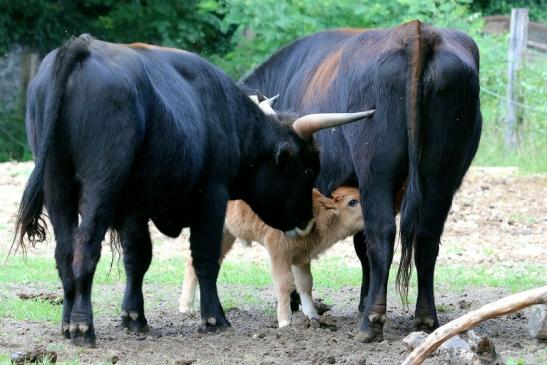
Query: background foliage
{"points": [[239, 34], [46, 24]]}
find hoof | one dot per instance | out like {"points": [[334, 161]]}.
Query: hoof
{"points": [[321, 307], [82, 334], [315, 323], [184, 309], [372, 328], [134, 321], [370, 335], [426, 323], [65, 330], [213, 324], [284, 323]]}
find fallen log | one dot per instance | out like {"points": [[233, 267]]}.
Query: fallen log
{"points": [[510, 304]]}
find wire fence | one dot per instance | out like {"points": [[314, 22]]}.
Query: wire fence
{"points": [[522, 105]]}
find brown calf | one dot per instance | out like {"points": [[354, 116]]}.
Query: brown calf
{"points": [[335, 219]]}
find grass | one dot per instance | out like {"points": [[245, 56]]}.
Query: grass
{"points": [[29, 310], [328, 273], [531, 155]]}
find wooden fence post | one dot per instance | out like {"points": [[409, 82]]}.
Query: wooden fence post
{"points": [[30, 61], [517, 44]]}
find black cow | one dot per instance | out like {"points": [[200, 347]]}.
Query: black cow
{"points": [[127, 133], [424, 84]]}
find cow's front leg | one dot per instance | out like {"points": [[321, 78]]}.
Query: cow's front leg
{"points": [[137, 255], [304, 284], [205, 244], [189, 285]]}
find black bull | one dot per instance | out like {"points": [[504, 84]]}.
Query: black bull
{"points": [[127, 133], [424, 84]]}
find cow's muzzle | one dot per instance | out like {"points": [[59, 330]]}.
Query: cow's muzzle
{"points": [[298, 232]]}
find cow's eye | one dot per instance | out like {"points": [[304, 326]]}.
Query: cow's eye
{"points": [[308, 172], [353, 202]]}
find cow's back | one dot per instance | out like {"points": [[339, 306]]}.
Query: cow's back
{"points": [[157, 102]]}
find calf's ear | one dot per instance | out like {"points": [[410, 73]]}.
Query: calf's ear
{"points": [[286, 150]]}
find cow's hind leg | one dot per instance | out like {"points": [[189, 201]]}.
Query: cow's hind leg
{"points": [[361, 250], [453, 129], [426, 249], [205, 244], [137, 255], [438, 192], [87, 251], [61, 201], [98, 201]]}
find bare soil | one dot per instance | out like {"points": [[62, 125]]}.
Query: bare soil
{"points": [[498, 218]]}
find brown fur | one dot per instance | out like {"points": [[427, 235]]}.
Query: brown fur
{"points": [[139, 45], [290, 257], [323, 76]]}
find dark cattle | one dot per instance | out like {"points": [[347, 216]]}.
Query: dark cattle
{"points": [[127, 133], [424, 85]]}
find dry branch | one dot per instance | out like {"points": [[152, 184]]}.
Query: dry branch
{"points": [[501, 307]]}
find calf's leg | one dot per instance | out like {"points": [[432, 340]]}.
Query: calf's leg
{"points": [[304, 284], [189, 286], [283, 280]]}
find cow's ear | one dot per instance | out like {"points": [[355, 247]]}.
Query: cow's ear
{"points": [[286, 150]]}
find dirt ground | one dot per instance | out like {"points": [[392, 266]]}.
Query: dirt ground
{"points": [[498, 218]]}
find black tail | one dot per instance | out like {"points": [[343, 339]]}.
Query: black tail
{"points": [[418, 45], [30, 222]]}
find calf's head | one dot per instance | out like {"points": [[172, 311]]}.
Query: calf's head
{"points": [[341, 215], [280, 187]]}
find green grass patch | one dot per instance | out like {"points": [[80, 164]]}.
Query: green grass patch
{"points": [[29, 310], [329, 272], [531, 155], [513, 279]]}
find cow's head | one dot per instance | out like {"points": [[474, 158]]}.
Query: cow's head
{"points": [[280, 187]]}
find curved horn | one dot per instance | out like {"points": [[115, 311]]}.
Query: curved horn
{"points": [[307, 125], [266, 105]]}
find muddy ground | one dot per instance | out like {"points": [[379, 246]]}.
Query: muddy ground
{"points": [[498, 218]]}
